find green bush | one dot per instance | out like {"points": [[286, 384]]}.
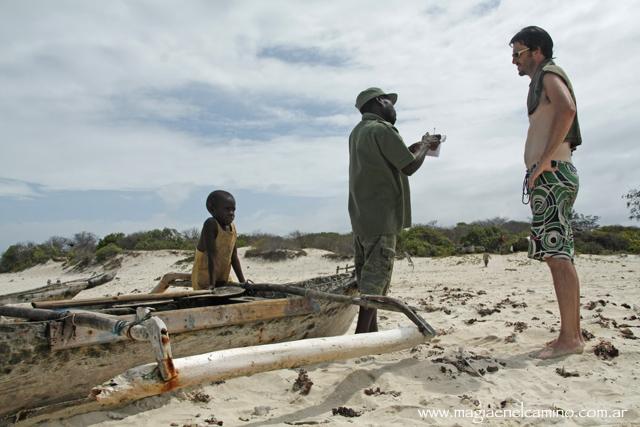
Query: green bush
{"points": [[108, 251], [113, 238], [339, 244], [425, 241], [519, 244], [492, 238]]}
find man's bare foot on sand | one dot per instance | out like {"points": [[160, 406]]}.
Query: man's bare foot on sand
{"points": [[553, 349]]}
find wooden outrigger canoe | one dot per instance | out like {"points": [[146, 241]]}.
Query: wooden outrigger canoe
{"points": [[52, 361], [55, 363]]}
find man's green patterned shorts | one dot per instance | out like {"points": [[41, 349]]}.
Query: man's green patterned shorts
{"points": [[551, 202], [374, 257]]}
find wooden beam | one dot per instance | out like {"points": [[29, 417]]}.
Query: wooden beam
{"points": [[190, 319], [363, 300], [144, 381], [219, 292]]}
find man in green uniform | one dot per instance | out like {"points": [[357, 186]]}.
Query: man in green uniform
{"points": [[379, 202]]}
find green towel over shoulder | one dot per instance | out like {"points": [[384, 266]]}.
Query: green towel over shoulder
{"points": [[535, 92]]}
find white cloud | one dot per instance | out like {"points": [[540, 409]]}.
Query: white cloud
{"points": [[16, 189], [66, 68]]}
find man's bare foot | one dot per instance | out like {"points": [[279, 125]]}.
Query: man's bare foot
{"points": [[553, 350]]}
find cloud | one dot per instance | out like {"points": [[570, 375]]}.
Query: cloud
{"points": [[258, 96], [303, 55], [14, 189]]}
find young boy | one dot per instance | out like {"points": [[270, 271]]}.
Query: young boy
{"points": [[216, 252]]}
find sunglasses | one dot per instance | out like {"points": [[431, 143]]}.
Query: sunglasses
{"points": [[516, 55]]}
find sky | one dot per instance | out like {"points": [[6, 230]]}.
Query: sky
{"points": [[122, 116]]}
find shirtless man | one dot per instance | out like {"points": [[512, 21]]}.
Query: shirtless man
{"points": [[551, 182]]}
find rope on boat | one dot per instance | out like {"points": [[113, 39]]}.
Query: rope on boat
{"points": [[125, 326]]}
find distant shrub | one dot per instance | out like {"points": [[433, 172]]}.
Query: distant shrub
{"points": [[167, 238], [82, 249], [630, 234], [600, 242], [21, 256], [242, 241], [274, 254], [519, 244], [340, 244], [492, 238], [113, 238], [108, 251], [425, 241]]}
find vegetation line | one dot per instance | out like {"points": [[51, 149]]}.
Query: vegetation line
{"points": [[496, 235]]}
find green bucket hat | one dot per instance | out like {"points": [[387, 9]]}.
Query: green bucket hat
{"points": [[372, 92]]}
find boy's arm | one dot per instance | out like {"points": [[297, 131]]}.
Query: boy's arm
{"points": [[235, 263], [210, 234]]}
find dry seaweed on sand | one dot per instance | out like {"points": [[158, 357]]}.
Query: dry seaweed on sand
{"points": [[377, 392], [303, 383], [605, 350], [487, 311], [518, 326], [345, 412], [628, 334], [199, 396], [213, 421], [564, 373], [463, 363], [511, 338], [588, 336]]}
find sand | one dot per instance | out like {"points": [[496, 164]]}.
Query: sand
{"points": [[489, 320]]}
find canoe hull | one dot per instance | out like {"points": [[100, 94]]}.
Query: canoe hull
{"points": [[34, 374]]}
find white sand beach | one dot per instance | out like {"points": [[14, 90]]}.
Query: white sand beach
{"points": [[489, 320]]}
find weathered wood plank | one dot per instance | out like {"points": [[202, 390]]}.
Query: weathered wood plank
{"points": [[219, 292], [191, 319]]}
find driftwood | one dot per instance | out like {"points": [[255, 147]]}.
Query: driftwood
{"points": [[56, 291], [144, 381]]}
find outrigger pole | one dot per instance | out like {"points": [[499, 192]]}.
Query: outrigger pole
{"points": [[366, 301], [143, 381]]}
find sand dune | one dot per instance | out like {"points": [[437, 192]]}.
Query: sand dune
{"points": [[490, 319]]}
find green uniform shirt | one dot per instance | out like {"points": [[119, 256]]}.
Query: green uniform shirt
{"points": [[379, 201]]}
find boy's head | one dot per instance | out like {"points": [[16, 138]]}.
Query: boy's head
{"points": [[222, 206]]}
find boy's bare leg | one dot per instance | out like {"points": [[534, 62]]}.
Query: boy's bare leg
{"points": [[167, 279], [567, 288]]}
